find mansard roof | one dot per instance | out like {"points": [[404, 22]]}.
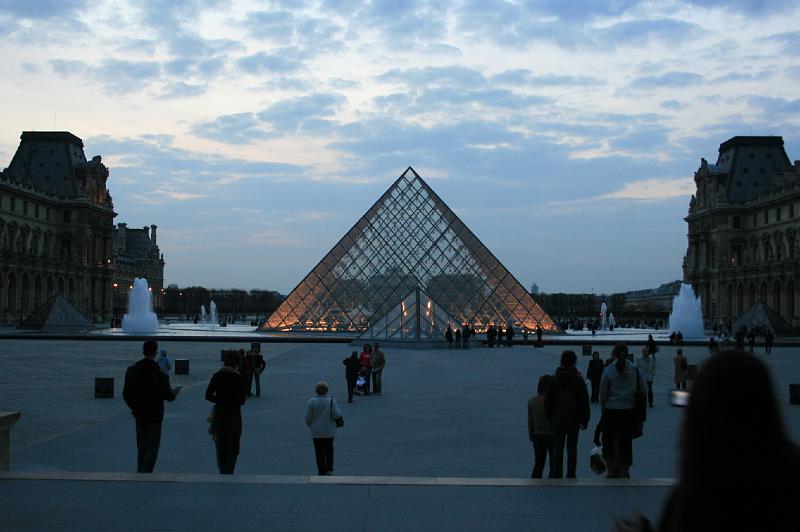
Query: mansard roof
{"points": [[749, 163], [51, 162]]}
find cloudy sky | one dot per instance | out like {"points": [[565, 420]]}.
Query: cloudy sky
{"points": [[254, 134]]}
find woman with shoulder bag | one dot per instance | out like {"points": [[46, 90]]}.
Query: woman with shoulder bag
{"points": [[322, 418], [624, 406]]}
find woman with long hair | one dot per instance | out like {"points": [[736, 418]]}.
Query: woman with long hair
{"points": [[738, 468], [620, 385]]}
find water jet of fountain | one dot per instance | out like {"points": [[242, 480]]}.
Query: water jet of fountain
{"points": [[687, 315], [140, 317]]}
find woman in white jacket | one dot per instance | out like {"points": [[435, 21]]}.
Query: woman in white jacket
{"points": [[321, 415]]}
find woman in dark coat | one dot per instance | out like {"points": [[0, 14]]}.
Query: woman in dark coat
{"points": [[226, 391], [352, 365]]}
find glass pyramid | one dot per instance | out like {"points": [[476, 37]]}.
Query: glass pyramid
{"points": [[416, 317], [408, 239]]}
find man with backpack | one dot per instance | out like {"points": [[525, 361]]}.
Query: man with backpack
{"points": [[146, 389], [567, 409]]}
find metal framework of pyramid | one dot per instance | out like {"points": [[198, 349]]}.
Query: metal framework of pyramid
{"points": [[408, 239], [417, 317]]}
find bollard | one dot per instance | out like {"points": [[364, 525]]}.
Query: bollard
{"points": [[7, 421], [794, 394], [586, 350], [104, 387], [181, 366]]}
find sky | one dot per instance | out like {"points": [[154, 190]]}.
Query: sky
{"points": [[565, 134]]}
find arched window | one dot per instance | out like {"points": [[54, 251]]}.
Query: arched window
{"points": [[776, 296], [751, 295], [729, 301], [739, 299], [790, 299], [762, 293]]}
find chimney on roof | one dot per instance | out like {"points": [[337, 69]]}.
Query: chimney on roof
{"points": [[122, 236], [153, 234]]}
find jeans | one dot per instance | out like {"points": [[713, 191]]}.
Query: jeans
{"points": [[323, 451], [650, 393], [351, 386], [257, 378], [542, 449], [570, 438], [377, 383], [367, 381], [227, 435], [148, 439]]}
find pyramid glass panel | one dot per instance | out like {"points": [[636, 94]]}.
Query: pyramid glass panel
{"points": [[409, 244]]}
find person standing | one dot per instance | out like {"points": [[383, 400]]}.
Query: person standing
{"points": [[769, 339], [567, 408], [681, 370], [490, 334], [540, 433], [448, 335], [465, 334], [259, 365], [227, 393], [321, 415], [499, 341], [510, 335], [651, 345], [458, 338], [647, 365], [539, 335], [146, 388], [246, 370], [619, 387], [594, 372], [378, 363], [366, 363], [164, 363], [524, 336], [351, 368]]}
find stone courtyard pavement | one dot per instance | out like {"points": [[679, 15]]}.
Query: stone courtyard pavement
{"points": [[445, 447]]}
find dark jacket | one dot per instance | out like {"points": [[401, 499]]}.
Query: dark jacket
{"points": [[568, 379], [595, 370], [226, 392], [352, 367], [146, 389]]}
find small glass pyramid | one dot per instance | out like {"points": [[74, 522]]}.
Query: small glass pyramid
{"points": [[416, 317], [408, 239]]}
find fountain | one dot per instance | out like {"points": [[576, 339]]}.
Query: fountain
{"points": [[603, 312], [213, 319], [140, 317], [686, 315], [203, 315]]}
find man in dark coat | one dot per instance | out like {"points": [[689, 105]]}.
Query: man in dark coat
{"points": [[352, 367], [567, 409], [259, 365], [146, 389]]}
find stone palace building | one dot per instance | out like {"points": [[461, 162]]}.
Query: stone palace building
{"points": [[744, 226], [57, 233]]}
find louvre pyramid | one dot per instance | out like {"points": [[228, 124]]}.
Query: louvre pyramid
{"points": [[408, 239], [416, 317]]}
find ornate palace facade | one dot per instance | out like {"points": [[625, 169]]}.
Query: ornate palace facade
{"points": [[56, 228], [744, 231], [57, 233]]}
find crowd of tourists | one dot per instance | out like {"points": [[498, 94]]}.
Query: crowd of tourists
{"points": [[716, 489]]}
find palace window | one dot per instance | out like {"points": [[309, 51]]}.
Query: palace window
{"points": [[778, 214], [736, 223], [67, 216]]}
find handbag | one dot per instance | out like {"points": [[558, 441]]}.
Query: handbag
{"points": [[338, 420]]}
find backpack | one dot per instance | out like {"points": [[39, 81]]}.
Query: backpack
{"points": [[565, 409]]}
